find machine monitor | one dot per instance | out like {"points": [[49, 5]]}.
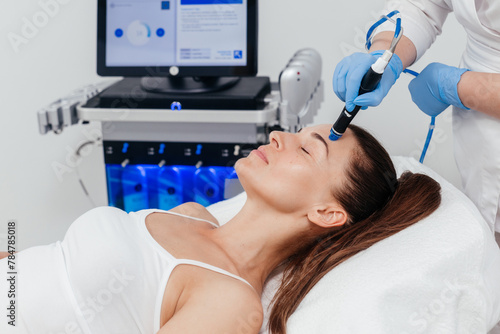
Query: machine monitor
{"points": [[177, 40]]}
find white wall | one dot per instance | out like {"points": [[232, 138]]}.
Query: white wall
{"points": [[60, 57]]}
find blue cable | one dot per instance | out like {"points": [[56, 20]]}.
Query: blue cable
{"points": [[398, 28], [378, 23], [411, 72], [431, 126], [428, 140]]}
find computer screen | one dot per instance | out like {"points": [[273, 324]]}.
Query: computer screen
{"points": [[199, 38]]}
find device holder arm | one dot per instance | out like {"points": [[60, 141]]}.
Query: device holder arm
{"points": [[63, 112], [301, 90]]}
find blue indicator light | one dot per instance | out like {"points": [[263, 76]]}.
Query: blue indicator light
{"points": [[198, 149], [118, 33], [125, 148], [162, 149], [160, 32], [176, 106]]}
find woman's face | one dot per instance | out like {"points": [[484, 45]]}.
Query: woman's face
{"points": [[296, 171]]}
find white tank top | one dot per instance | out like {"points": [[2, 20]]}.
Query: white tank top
{"points": [[108, 275]]}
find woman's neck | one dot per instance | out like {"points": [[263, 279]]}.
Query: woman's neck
{"points": [[258, 239]]}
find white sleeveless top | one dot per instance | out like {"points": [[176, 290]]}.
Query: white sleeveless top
{"points": [[108, 275]]}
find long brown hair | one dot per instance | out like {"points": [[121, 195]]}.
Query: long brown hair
{"points": [[378, 205]]}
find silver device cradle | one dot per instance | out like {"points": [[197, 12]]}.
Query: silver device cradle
{"points": [[290, 107]]}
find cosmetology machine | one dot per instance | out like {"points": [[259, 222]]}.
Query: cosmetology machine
{"points": [[172, 132]]}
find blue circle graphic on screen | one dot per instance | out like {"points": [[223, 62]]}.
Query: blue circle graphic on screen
{"points": [[118, 33], [160, 32], [138, 33]]}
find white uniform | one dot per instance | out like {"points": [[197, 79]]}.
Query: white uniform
{"points": [[476, 135]]}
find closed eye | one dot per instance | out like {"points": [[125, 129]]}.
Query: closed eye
{"points": [[303, 149]]}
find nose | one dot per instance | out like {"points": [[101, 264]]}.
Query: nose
{"points": [[276, 140], [280, 140]]}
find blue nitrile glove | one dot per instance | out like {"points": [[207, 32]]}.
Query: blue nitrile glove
{"points": [[435, 88], [350, 71]]}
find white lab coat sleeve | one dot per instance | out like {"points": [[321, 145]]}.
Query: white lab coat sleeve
{"points": [[422, 20]]}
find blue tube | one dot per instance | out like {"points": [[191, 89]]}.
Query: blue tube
{"points": [[432, 125], [398, 30], [428, 140], [378, 23], [410, 72]]}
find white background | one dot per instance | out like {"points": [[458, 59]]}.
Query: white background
{"points": [[62, 57]]}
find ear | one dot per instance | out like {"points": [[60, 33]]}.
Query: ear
{"points": [[327, 216]]}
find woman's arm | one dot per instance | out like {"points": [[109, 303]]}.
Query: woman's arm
{"points": [[481, 92], [405, 49], [4, 255], [234, 311], [422, 21]]}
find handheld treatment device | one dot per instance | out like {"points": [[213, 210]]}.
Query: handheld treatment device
{"points": [[372, 78], [368, 84]]}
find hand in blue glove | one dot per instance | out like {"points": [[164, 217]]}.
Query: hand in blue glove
{"points": [[435, 89], [350, 71]]}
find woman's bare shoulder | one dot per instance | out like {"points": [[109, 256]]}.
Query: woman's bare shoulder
{"points": [[194, 209]]}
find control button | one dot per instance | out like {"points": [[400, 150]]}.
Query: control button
{"points": [[236, 151], [174, 70], [125, 163], [125, 148], [199, 147]]}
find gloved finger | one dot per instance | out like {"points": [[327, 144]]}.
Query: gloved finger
{"points": [[417, 97], [371, 99], [339, 79], [425, 100], [412, 86], [364, 108], [350, 106], [353, 83], [431, 109]]}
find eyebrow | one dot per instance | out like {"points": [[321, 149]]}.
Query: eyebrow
{"points": [[321, 139]]}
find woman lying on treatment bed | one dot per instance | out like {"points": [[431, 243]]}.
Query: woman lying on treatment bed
{"points": [[312, 204]]}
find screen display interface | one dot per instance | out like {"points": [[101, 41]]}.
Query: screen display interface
{"points": [[176, 33]]}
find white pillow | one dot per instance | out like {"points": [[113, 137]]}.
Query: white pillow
{"points": [[441, 275]]}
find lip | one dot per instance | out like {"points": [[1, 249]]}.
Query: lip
{"points": [[261, 154]]}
